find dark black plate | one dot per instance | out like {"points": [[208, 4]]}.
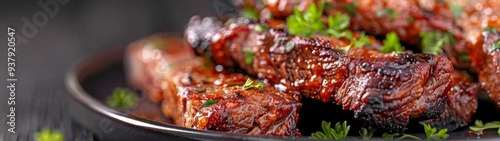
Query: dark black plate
{"points": [[93, 79]]}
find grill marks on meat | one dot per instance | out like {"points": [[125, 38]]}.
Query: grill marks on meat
{"points": [[385, 91], [185, 88], [488, 60]]}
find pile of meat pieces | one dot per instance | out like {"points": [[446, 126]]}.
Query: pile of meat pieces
{"points": [[385, 90]]}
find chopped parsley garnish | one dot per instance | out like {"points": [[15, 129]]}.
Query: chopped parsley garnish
{"points": [[432, 42], [208, 103], [122, 99], [345, 49], [434, 134], [391, 43], [200, 89], [400, 136], [363, 40], [289, 46], [337, 24], [248, 56], [463, 56], [387, 12], [410, 19], [309, 22], [260, 28], [365, 134], [490, 29], [249, 84], [456, 9], [337, 133], [351, 8], [49, 135], [249, 13], [479, 126], [494, 46]]}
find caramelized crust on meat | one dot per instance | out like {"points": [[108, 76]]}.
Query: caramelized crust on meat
{"points": [[385, 91], [185, 87]]}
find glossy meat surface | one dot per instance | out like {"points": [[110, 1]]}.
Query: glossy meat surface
{"points": [[488, 60], [185, 88], [385, 91]]}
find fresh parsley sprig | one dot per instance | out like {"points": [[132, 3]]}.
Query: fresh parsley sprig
{"points": [[249, 13], [208, 103], [122, 99], [365, 134], [434, 134], [399, 136], [433, 41], [387, 12], [391, 43], [309, 22], [479, 126], [249, 84], [338, 132]]}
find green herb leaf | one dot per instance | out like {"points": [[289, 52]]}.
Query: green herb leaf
{"points": [[249, 84], [387, 12], [345, 49], [456, 9], [365, 135], [338, 132], [400, 136], [249, 54], [391, 43], [49, 135], [351, 8], [494, 46], [309, 22], [463, 56], [490, 29], [249, 13], [431, 134], [200, 89], [363, 40], [432, 42], [410, 19], [208, 103], [260, 28], [479, 126], [122, 99]]}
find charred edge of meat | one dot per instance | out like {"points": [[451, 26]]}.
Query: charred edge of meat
{"points": [[398, 81], [460, 106]]}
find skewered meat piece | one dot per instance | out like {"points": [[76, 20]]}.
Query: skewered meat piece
{"points": [[384, 91], [186, 87]]}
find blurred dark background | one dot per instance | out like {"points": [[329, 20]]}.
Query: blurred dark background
{"points": [[71, 30]]}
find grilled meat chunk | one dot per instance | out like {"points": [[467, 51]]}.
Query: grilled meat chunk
{"points": [[385, 91], [487, 58], [185, 88], [460, 105]]}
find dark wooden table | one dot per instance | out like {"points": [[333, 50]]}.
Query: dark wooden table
{"points": [[74, 30]]}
